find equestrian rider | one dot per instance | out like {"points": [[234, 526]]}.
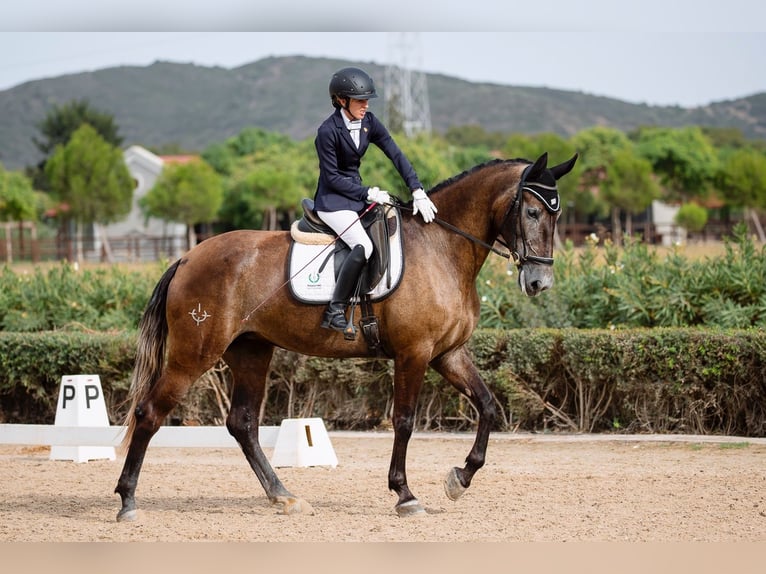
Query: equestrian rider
{"points": [[341, 142]]}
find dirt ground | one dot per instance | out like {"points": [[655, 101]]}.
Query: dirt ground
{"points": [[533, 488]]}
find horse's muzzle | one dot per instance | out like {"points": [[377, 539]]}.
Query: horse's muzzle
{"points": [[534, 279]]}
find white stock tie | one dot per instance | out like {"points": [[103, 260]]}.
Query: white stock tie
{"points": [[353, 128]]}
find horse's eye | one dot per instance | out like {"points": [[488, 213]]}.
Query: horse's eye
{"points": [[534, 213]]}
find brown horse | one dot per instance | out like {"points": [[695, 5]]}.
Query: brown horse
{"points": [[227, 298]]}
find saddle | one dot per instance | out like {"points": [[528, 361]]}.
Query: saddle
{"points": [[380, 227], [313, 265]]}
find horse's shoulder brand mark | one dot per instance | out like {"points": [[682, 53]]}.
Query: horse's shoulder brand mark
{"points": [[198, 314]]}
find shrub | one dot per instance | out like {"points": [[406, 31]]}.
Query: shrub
{"points": [[634, 287], [692, 217], [32, 364], [64, 296], [576, 380]]}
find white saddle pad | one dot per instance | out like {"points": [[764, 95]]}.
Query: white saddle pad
{"points": [[309, 285]]}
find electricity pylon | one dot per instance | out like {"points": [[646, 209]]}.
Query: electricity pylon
{"points": [[406, 92]]}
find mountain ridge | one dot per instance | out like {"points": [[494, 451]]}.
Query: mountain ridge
{"points": [[193, 106]]}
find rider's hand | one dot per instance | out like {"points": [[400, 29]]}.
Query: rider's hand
{"points": [[376, 195], [423, 205]]}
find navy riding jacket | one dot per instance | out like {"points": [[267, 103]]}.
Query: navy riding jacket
{"points": [[340, 185]]}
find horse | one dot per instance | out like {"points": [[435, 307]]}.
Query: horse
{"points": [[227, 298]]}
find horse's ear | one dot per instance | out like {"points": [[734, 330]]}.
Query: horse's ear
{"points": [[562, 169], [534, 171]]}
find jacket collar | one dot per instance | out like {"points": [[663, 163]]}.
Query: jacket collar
{"points": [[340, 124]]}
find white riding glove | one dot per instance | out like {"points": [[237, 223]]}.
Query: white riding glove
{"points": [[376, 195], [423, 205]]}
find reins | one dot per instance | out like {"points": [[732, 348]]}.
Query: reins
{"points": [[514, 207], [462, 233]]}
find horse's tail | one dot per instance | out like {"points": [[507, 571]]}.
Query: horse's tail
{"points": [[150, 352]]}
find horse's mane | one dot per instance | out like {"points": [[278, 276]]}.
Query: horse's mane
{"points": [[454, 179]]}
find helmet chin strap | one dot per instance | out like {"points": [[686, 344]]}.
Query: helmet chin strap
{"points": [[347, 107]]}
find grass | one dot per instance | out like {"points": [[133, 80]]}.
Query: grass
{"points": [[721, 446], [734, 445]]}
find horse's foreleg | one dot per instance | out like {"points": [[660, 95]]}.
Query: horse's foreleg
{"points": [[249, 364], [149, 415], [408, 379], [457, 368]]}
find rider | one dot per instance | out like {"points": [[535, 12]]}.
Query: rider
{"points": [[341, 141]]}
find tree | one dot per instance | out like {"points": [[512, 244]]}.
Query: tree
{"points": [[742, 181], [256, 200], [684, 159], [692, 217], [628, 187], [90, 176], [474, 135], [598, 147], [188, 193], [18, 202], [61, 122]]}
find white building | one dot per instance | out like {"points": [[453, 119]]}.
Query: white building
{"points": [[663, 217], [137, 238]]}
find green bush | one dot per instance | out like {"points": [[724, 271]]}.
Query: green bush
{"points": [[63, 296], [685, 380], [595, 288], [692, 217], [634, 287], [625, 341], [638, 380], [32, 364]]}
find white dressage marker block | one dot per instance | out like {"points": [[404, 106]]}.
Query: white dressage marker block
{"points": [[303, 442], [81, 404]]}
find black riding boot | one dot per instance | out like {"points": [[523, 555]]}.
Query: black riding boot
{"points": [[348, 278]]}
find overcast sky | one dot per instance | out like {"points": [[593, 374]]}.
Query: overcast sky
{"points": [[658, 52]]}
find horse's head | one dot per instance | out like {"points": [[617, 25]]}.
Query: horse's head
{"points": [[529, 227]]}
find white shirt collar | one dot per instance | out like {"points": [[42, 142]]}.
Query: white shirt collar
{"points": [[350, 124]]}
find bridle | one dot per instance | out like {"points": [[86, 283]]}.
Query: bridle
{"points": [[550, 199]]}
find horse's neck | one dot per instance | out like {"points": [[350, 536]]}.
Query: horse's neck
{"points": [[472, 205], [473, 202]]}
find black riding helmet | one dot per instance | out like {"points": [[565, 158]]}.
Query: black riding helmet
{"points": [[351, 83]]}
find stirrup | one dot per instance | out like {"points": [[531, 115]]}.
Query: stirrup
{"points": [[349, 333]]}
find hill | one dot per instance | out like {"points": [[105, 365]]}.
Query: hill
{"points": [[193, 106]]}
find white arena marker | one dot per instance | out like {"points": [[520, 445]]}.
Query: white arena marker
{"points": [[81, 404], [303, 442]]}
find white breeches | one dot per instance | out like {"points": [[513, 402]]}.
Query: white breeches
{"points": [[348, 227]]}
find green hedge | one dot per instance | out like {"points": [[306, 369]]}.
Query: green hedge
{"points": [[641, 380], [634, 286], [32, 364]]}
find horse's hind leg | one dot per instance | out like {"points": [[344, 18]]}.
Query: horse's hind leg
{"points": [[457, 368], [149, 414], [249, 364]]}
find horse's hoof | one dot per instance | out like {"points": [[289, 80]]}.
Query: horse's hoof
{"points": [[127, 515], [452, 485], [294, 506], [410, 508]]}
